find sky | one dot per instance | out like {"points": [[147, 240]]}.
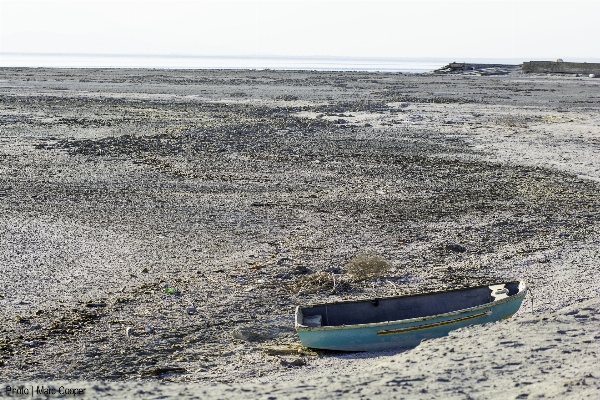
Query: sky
{"points": [[404, 29]]}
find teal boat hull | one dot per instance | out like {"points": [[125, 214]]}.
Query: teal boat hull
{"points": [[407, 332]]}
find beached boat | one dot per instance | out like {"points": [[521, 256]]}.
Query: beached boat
{"points": [[395, 322]]}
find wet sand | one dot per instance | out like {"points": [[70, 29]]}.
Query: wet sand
{"points": [[158, 227]]}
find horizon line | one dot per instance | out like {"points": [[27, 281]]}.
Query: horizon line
{"points": [[233, 56]]}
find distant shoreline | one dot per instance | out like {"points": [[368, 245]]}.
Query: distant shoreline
{"points": [[312, 63]]}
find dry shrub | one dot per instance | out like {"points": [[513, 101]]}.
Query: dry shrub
{"points": [[313, 283], [365, 266]]}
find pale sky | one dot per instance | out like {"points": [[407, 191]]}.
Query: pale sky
{"points": [[426, 28]]}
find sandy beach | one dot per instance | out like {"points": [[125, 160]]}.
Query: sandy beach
{"points": [[158, 228]]}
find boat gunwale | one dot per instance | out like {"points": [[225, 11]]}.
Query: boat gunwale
{"points": [[304, 328]]}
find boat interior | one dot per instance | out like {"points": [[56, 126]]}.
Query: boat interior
{"points": [[399, 308]]}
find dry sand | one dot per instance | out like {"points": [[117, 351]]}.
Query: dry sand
{"points": [[233, 188]]}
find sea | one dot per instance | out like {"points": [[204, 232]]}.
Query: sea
{"points": [[316, 63]]}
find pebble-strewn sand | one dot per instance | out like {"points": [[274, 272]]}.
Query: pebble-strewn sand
{"points": [[232, 188], [546, 355]]}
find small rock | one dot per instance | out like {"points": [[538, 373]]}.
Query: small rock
{"points": [[251, 334], [149, 329], [296, 362], [191, 310], [144, 271], [301, 269], [96, 305], [455, 247], [128, 331]]}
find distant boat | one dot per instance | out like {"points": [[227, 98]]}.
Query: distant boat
{"points": [[395, 322]]}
